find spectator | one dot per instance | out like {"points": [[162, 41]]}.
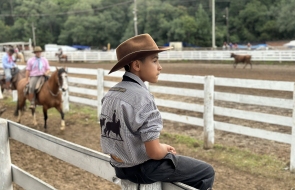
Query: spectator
{"points": [[249, 46]]}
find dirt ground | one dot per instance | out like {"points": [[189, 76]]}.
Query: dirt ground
{"points": [[64, 176]]}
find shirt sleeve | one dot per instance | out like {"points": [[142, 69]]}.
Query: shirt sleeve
{"points": [[29, 65], [151, 120], [5, 63]]}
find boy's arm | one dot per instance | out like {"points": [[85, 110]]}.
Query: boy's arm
{"points": [[5, 63], [157, 151]]}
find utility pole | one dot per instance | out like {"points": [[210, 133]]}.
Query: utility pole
{"points": [[33, 30], [213, 24], [227, 26], [135, 18]]}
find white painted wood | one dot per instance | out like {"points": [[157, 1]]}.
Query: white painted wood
{"points": [[14, 95], [65, 101], [118, 74], [82, 71], [79, 90], [28, 181], [254, 116], [77, 80], [1, 95], [109, 84], [179, 105], [208, 115], [5, 160], [292, 153], [177, 91], [182, 119], [83, 101], [257, 84], [252, 132], [255, 100], [79, 156], [182, 78], [128, 185], [100, 90]]}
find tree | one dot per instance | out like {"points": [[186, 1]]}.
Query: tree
{"points": [[285, 20]]}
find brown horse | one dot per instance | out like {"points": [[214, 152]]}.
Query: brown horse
{"points": [[49, 96], [241, 59], [17, 76], [63, 56], [19, 57]]}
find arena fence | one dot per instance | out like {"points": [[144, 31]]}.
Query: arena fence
{"points": [[79, 156], [259, 55], [90, 92], [209, 97]]}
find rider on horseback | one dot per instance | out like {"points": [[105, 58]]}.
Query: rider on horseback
{"points": [[36, 67], [8, 62]]}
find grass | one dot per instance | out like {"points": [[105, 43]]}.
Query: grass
{"points": [[232, 157]]}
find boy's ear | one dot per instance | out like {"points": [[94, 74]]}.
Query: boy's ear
{"points": [[135, 65]]}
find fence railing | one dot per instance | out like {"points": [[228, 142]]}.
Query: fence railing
{"points": [[89, 160], [208, 98], [259, 55], [95, 88]]}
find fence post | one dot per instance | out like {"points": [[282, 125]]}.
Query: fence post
{"points": [[1, 95], [5, 161], [100, 90], [208, 112], [14, 95], [292, 156]]}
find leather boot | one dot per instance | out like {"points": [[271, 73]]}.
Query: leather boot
{"points": [[32, 99]]}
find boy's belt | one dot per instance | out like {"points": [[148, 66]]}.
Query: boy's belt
{"points": [[117, 158]]}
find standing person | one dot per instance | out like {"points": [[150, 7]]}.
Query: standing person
{"points": [[249, 46], [8, 62], [133, 123], [36, 67]]}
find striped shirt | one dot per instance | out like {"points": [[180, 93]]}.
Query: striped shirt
{"points": [[129, 117]]}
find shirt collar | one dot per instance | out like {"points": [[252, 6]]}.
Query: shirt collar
{"points": [[136, 78]]}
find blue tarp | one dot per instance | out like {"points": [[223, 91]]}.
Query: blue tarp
{"points": [[80, 47]]}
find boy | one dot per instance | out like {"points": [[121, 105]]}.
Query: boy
{"points": [[131, 124], [8, 62]]}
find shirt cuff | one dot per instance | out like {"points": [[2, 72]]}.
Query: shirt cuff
{"points": [[150, 136]]}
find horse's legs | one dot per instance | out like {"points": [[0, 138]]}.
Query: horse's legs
{"points": [[20, 104], [34, 117], [251, 64], [63, 125], [45, 117]]}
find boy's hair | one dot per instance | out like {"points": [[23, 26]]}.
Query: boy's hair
{"points": [[127, 67]]}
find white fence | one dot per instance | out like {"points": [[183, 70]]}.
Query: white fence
{"points": [[86, 56], [209, 110], [84, 158]]}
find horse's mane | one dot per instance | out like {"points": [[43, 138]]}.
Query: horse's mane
{"points": [[61, 70]]}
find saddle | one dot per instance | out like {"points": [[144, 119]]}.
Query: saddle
{"points": [[38, 86]]}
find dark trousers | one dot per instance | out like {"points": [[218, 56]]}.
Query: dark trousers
{"points": [[172, 168]]}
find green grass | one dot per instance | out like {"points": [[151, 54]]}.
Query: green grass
{"points": [[231, 157]]}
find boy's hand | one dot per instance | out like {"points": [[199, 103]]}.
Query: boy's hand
{"points": [[169, 148]]}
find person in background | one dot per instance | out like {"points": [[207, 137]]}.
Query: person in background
{"points": [[37, 67], [8, 63]]}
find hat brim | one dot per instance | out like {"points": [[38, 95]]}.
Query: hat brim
{"points": [[135, 55]]}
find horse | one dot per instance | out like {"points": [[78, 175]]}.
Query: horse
{"points": [[114, 127], [49, 96], [19, 56], [60, 57], [241, 59], [16, 77]]}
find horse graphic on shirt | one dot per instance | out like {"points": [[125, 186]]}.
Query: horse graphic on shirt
{"points": [[111, 126]]}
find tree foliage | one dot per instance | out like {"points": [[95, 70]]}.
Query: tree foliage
{"points": [[98, 22]]}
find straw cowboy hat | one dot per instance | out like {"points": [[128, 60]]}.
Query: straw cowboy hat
{"points": [[37, 49], [136, 47]]}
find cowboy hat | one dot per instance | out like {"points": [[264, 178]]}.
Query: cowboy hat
{"points": [[136, 47], [37, 49]]}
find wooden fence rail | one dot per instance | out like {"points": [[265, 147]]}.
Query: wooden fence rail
{"points": [[261, 55], [89, 160], [208, 96]]}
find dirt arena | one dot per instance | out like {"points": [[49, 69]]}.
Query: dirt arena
{"points": [[82, 130]]}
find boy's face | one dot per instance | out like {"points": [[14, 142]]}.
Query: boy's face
{"points": [[149, 69]]}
